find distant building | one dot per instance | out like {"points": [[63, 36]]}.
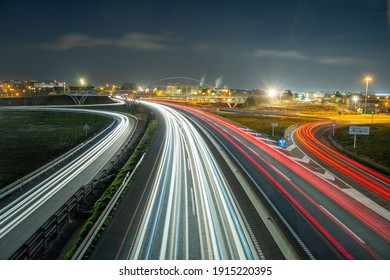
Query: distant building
{"points": [[177, 89], [309, 97], [357, 102], [16, 88]]}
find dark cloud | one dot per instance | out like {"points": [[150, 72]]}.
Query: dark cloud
{"points": [[130, 41], [315, 41]]}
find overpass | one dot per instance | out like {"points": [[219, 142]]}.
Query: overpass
{"points": [[182, 89], [194, 91]]}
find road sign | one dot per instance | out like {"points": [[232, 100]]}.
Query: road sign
{"points": [[359, 130], [282, 142], [333, 125], [273, 128], [86, 127]]}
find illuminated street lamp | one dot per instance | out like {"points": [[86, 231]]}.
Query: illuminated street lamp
{"points": [[355, 98], [272, 93], [367, 79], [82, 82]]}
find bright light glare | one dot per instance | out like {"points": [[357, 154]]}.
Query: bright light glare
{"points": [[368, 79], [272, 92]]}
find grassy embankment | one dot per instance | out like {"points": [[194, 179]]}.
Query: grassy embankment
{"points": [[373, 149], [29, 140], [262, 124], [101, 204]]}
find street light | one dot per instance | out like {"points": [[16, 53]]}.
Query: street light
{"points": [[355, 98], [82, 82], [272, 93], [367, 79]]}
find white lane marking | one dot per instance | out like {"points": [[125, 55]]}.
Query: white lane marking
{"points": [[343, 225], [368, 203], [193, 201]]}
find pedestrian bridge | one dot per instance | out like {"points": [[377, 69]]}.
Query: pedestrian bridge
{"points": [[180, 89]]}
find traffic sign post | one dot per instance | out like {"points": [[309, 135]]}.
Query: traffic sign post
{"points": [[282, 142], [273, 128], [333, 125], [358, 130], [86, 128]]}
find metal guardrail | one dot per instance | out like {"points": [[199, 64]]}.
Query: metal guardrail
{"points": [[80, 252], [39, 240], [51, 228]]}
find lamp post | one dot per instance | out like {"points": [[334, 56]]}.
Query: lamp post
{"points": [[82, 82], [355, 98], [272, 93], [367, 79]]}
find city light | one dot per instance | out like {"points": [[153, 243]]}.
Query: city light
{"points": [[272, 92], [367, 79], [355, 99]]}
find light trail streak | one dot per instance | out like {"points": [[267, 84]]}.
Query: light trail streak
{"points": [[372, 219], [22, 207], [367, 177], [190, 205]]}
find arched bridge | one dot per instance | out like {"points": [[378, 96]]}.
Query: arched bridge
{"points": [[194, 91], [183, 89]]}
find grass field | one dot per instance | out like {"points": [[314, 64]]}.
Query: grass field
{"points": [[373, 148], [263, 124], [28, 140]]}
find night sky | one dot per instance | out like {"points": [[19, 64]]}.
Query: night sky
{"points": [[301, 45]]}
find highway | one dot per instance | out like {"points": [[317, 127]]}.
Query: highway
{"points": [[324, 220], [211, 189], [21, 217], [354, 173], [186, 209], [183, 207]]}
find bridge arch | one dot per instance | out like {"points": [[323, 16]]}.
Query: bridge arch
{"points": [[80, 98]]}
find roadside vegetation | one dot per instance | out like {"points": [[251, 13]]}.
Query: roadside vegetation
{"points": [[263, 124], [29, 140], [373, 149], [101, 204]]}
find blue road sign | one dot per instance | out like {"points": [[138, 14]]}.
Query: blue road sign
{"points": [[282, 142], [86, 127]]}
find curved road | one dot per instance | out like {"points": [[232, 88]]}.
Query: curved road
{"points": [[308, 138], [185, 207], [186, 210], [323, 220], [24, 215]]}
